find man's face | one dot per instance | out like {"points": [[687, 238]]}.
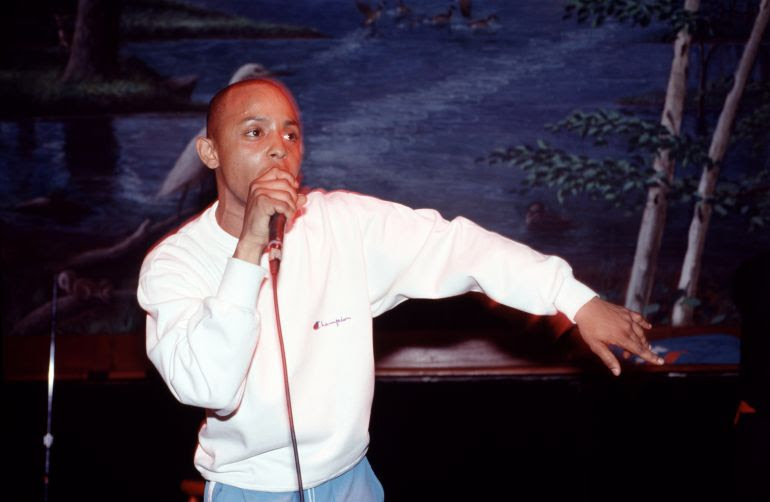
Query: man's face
{"points": [[257, 128]]}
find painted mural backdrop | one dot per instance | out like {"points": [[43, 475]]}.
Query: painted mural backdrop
{"points": [[540, 120]]}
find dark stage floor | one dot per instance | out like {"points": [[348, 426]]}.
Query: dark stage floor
{"points": [[580, 436]]}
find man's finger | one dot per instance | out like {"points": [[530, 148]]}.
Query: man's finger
{"points": [[280, 183], [276, 189], [651, 357], [607, 358], [278, 205], [278, 173], [639, 332], [642, 350], [638, 318], [283, 202]]}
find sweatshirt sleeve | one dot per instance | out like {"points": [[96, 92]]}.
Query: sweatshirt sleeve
{"points": [[418, 254], [201, 345]]}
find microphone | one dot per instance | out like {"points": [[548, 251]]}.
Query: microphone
{"points": [[275, 244]]}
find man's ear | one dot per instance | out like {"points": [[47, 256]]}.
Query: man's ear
{"points": [[207, 152]]}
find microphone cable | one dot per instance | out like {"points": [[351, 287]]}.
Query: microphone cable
{"points": [[275, 251]]}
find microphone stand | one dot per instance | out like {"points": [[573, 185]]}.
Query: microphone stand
{"points": [[48, 438]]}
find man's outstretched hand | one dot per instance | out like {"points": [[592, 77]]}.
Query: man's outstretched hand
{"points": [[602, 324]]}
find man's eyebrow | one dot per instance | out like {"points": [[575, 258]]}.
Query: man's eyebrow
{"points": [[289, 122]]}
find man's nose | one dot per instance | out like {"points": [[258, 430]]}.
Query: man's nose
{"points": [[277, 150]]}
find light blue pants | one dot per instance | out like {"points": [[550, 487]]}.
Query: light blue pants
{"points": [[359, 484]]}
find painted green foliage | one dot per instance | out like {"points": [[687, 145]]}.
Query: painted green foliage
{"points": [[624, 181], [639, 13]]}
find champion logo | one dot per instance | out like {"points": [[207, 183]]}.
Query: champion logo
{"points": [[336, 322]]}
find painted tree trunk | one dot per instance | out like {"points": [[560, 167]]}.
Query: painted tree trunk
{"points": [[94, 51], [654, 216], [696, 239]]}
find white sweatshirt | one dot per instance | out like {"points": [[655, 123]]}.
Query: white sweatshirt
{"points": [[347, 258]]}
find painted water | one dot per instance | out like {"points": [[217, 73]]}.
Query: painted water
{"points": [[401, 112]]}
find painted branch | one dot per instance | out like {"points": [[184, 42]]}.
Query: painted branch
{"points": [[146, 231], [696, 239], [71, 304], [99, 255], [38, 321], [654, 217], [162, 225]]}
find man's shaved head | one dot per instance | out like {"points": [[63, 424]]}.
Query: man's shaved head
{"points": [[253, 133], [218, 103]]}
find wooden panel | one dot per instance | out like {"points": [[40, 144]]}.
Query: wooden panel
{"points": [[398, 354], [77, 357]]}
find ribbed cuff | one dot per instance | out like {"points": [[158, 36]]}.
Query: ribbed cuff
{"points": [[240, 283], [572, 296]]}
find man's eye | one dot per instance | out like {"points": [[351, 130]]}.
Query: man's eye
{"points": [[254, 133], [291, 136]]}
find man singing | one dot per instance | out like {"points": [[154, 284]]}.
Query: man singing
{"points": [[211, 329]]}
